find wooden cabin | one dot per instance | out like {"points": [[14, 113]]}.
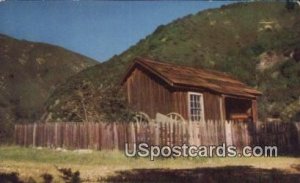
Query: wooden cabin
{"points": [[196, 94]]}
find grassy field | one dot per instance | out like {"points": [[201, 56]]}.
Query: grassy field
{"points": [[96, 166]]}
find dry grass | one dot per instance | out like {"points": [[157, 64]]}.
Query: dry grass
{"points": [[93, 166]]}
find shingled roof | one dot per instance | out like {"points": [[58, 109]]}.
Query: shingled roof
{"points": [[181, 76]]}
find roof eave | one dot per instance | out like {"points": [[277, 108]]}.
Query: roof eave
{"points": [[148, 68], [191, 87]]}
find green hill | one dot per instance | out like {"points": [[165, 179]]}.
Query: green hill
{"points": [[29, 73], [257, 42]]}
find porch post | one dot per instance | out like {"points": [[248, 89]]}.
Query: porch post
{"points": [[222, 108], [254, 110]]}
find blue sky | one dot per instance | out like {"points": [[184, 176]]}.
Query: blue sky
{"points": [[97, 29]]}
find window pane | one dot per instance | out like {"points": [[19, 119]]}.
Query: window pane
{"points": [[195, 107]]}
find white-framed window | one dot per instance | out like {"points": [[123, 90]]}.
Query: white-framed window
{"points": [[195, 106]]}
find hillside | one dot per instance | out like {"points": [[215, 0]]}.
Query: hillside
{"points": [[29, 73], [256, 42]]}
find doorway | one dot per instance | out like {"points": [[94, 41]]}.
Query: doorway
{"points": [[238, 109]]}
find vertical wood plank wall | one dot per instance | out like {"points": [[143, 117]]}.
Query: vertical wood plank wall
{"points": [[147, 93], [211, 106], [180, 103], [254, 110]]}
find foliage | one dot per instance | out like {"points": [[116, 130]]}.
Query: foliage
{"points": [[90, 103], [230, 39], [29, 73], [48, 178], [282, 88], [68, 176], [10, 177]]}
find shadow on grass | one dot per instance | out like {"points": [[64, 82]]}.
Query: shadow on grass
{"points": [[207, 175], [67, 175], [10, 178]]}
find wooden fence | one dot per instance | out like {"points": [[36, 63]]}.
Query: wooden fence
{"points": [[286, 136], [114, 135]]}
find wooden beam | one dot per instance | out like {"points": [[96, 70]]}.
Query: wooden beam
{"points": [[222, 108], [254, 110], [238, 97]]}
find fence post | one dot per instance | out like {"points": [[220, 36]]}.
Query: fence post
{"points": [[228, 133], [116, 143], [113, 135], [34, 135]]}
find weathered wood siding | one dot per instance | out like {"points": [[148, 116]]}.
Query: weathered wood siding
{"points": [[180, 103], [101, 136], [147, 93], [211, 106], [150, 94], [254, 110]]}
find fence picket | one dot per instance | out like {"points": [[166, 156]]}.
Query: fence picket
{"points": [[101, 136]]}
